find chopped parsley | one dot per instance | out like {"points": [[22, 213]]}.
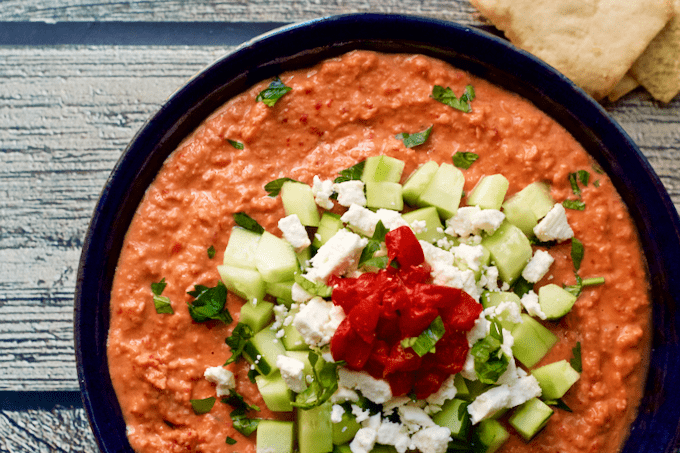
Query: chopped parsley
{"points": [[275, 91], [583, 283], [245, 221], [416, 139], [211, 252], [426, 341], [575, 361], [203, 406], [352, 173], [158, 288], [230, 440], [490, 361], [161, 303], [235, 144], [581, 176], [522, 286], [448, 97], [464, 159], [374, 245], [313, 288], [273, 188], [577, 252], [209, 303], [576, 205], [323, 385], [237, 341], [241, 423]]}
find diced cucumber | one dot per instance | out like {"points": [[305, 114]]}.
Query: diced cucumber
{"points": [[555, 301], [302, 356], [265, 345], [382, 168], [444, 191], [282, 291], [418, 181], [378, 448], [488, 436], [489, 192], [275, 259], [528, 206], [522, 217], [275, 393], [303, 257], [510, 251], [245, 283], [529, 418], [275, 436], [495, 298], [315, 431], [298, 199], [462, 390], [555, 379], [240, 251], [257, 315], [345, 431], [328, 225], [483, 261], [384, 194], [292, 339], [475, 388], [532, 341], [344, 448], [434, 230], [454, 417]]}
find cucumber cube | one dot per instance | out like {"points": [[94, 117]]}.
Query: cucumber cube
{"points": [[275, 436], [257, 315], [510, 251], [462, 390], [303, 257], [528, 206], [344, 448], [275, 393], [245, 283], [454, 417], [298, 199], [529, 418], [555, 301], [382, 169], [267, 347], [434, 230], [240, 251], [275, 259], [315, 431], [522, 217], [532, 341], [495, 298], [418, 181], [282, 291], [489, 192], [302, 356], [384, 194], [345, 431], [444, 191], [292, 339], [328, 225], [489, 436], [555, 379]]}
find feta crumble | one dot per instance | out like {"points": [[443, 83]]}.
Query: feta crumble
{"points": [[554, 226], [223, 378], [294, 232], [537, 266], [322, 191], [350, 192]]}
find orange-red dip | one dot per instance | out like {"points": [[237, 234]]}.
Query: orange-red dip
{"points": [[338, 113]]}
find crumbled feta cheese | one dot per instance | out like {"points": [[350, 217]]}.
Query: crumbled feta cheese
{"points": [[530, 303], [360, 414], [292, 372], [488, 220], [554, 226], [471, 220], [350, 192], [505, 395], [336, 413], [363, 441], [393, 403], [298, 294], [419, 226], [373, 422], [394, 434], [414, 418], [294, 232], [223, 378], [479, 330], [470, 255], [322, 191], [456, 278], [317, 321], [343, 394], [446, 392], [537, 266], [444, 243], [434, 439], [510, 310], [489, 278], [391, 219], [338, 255], [436, 257], [361, 219], [376, 390]]}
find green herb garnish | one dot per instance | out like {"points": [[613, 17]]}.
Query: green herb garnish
{"points": [[581, 176], [209, 303], [575, 361], [230, 440], [273, 188], [374, 243], [161, 303], [245, 221], [464, 159], [413, 140], [237, 341], [203, 406], [490, 361], [576, 205], [558, 403], [235, 144], [211, 252], [577, 252], [352, 173], [238, 402], [324, 384], [241, 423], [275, 91], [426, 341], [447, 96], [158, 288], [521, 286], [315, 289]]}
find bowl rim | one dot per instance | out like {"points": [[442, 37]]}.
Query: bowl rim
{"points": [[291, 47]]}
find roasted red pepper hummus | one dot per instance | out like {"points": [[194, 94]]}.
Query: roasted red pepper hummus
{"points": [[339, 113]]}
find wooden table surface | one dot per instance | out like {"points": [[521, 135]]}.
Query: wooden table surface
{"points": [[77, 79]]}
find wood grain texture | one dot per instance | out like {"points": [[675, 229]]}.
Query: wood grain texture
{"points": [[226, 10]]}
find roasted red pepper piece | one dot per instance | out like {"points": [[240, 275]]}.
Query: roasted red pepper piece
{"points": [[403, 246], [427, 382], [461, 315], [401, 383]]}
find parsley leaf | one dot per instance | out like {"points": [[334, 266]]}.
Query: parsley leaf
{"points": [[463, 159], [373, 243], [352, 173], [209, 303], [521, 286], [577, 288], [581, 176], [241, 423], [230, 440], [426, 341], [235, 144], [577, 252], [237, 341], [575, 361], [576, 205], [202, 406], [416, 139], [598, 169], [275, 91], [238, 402], [162, 305], [244, 220], [447, 96], [158, 288], [313, 288], [273, 188], [211, 252], [490, 361], [379, 262], [324, 384]]}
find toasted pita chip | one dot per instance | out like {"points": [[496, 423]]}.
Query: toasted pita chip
{"points": [[593, 42], [625, 86], [658, 68]]}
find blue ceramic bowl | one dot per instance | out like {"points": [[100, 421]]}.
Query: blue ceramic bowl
{"points": [[482, 54]]}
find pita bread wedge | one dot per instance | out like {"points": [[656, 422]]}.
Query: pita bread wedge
{"points": [[593, 42], [625, 86], [658, 68]]}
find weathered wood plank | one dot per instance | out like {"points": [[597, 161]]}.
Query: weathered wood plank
{"points": [[226, 10]]}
